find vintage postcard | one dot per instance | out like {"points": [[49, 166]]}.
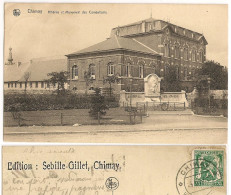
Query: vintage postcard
{"points": [[116, 73], [122, 170]]}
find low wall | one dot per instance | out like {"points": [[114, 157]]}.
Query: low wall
{"points": [[171, 97]]}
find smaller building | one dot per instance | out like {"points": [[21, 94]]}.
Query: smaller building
{"points": [[32, 76]]}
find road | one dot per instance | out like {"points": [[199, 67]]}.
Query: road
{"points": [[155, 129]]}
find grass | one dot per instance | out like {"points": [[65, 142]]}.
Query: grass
{"points": [[66, 117]]}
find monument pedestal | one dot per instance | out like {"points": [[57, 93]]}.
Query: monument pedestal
{"points": [[152, 99]]}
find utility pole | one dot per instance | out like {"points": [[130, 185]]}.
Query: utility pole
{"points": [[209, 81]]}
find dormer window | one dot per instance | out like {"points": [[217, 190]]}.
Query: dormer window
{"points": [[167, 31], [193, 35], [184, 32]]}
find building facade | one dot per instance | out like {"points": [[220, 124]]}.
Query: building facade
{"points": [[125, 58], [135, 50], [181, 49]]}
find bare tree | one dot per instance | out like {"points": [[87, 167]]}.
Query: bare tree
{"points": [[26, 78], [88, 79]]}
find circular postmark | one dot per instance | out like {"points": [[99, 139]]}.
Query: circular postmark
{"points": [[112, 183], [198, 176], [16, 12]]}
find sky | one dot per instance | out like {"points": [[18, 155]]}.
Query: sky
{"points": [[35, 35]]}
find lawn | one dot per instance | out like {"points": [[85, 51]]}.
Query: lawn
{"points": [[66, 117]]}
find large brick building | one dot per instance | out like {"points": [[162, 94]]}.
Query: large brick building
{"points": [[138, 49]]}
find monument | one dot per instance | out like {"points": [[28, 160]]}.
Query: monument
{"points": [[152, 95], [152, 88]]}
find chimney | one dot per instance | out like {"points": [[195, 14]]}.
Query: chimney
{"points": [[19, 64]]}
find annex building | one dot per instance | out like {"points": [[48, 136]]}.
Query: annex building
{"points": [[136, 50], [32, 75]]}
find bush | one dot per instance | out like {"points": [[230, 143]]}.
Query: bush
{"points": [[98, 104], [33, 102]]}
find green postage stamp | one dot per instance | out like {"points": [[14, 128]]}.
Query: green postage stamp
{"points": [[209, 168]]}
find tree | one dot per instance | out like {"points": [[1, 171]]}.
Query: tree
{"points": [[88, 79], [217, 73], [59, 78], [26, 78], [110, 80], [98, 105], [171, 82]]}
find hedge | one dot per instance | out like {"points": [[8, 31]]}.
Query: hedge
{"points": [[33, 102]]}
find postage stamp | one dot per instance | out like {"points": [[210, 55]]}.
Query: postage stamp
{"points": [[204, 173], [210, 168]]}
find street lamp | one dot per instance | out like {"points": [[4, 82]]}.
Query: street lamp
{"points": [[209, 81], [131, 79]]}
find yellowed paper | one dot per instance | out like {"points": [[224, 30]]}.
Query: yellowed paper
{"points": [[114, 170]]}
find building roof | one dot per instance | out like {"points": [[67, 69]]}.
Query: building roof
{"points": [[15, 71], [138, 22], [180, 30], [117, 43], [38, 69]]}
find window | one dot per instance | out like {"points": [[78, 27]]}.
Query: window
{"points": [[167, 50], [25, 85], [31, 84], [128, 70], [193, 73], [193, 55], [15, 85], [20, 85], [177, 52], [12, 85], [177, 73], [75, 72], [185, 74], [92, 70], [167, 31], [201, 56], [186, 53], [141, 71], [166, 70], [36, 84], [42, 84], [110, 69], [8, 85]]}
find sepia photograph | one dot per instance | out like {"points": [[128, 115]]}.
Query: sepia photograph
{"points": [[116, 73]]}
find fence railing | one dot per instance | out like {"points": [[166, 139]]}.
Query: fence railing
{"points": [[161, 106], [158, 106], [116, 116]]}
